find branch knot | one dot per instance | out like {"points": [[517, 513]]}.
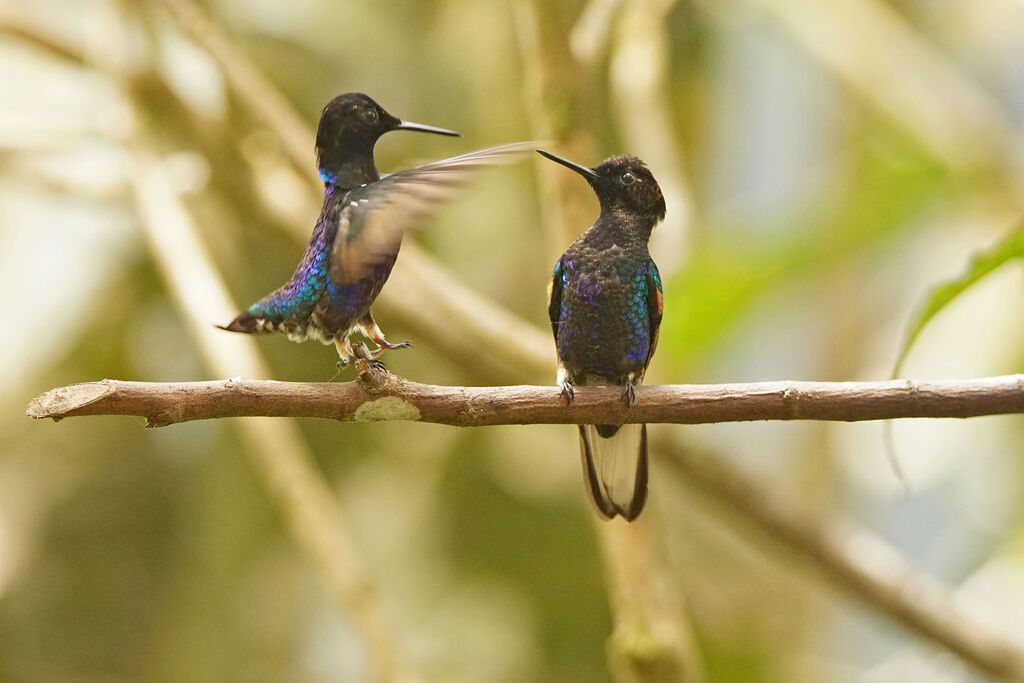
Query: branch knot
{"points": [[372, 375]]}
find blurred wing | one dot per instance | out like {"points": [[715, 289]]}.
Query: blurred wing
{"points": [[555, 299], [655, 307], [377, 215]]}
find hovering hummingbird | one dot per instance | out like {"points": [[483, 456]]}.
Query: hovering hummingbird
{"points": [[356, 239], [605, 305]]}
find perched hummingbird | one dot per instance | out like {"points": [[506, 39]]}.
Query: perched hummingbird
{"points": [[356, 240], [605, 305]]}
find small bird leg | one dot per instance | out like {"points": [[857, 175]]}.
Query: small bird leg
{"points": [[370, 329], [387, 347], [568, 393], [629, 394], [345, 353]]}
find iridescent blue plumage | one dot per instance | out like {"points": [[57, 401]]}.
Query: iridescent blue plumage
{"points": [[604, 316], [605, 307], [356, 239], [295, 300]]}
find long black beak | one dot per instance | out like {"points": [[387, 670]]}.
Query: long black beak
{"points": [[587, 173], [409, 125]]}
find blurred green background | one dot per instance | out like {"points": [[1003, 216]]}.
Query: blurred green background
{"points": [[824, 167]]}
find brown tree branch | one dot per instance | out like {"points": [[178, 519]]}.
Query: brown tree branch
{"points": [[276, 448], [858, 561], [791, 531], [652, 638], [855, 560], [377, 396], [939, 104]]}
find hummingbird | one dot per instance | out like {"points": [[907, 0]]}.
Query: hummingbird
{"points": [[605, 306], [356, 240]]}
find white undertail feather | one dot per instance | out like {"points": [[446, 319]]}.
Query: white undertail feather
{"points": [[615, 469]]}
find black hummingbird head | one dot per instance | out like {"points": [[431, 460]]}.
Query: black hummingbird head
{"points": [[350, 126], [622, 184]]}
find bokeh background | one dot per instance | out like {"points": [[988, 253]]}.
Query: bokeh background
{"points": [[825, 165]]}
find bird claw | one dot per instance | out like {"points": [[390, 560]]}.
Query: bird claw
{"points": [[368, 357], [383, 346], [568, 393], [629, 394], [362, 352]]}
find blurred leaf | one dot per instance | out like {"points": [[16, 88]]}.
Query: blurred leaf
{"points": [[983, 263], [885, 183]]}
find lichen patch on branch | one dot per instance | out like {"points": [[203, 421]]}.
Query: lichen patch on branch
{"points": [[387, 409]]}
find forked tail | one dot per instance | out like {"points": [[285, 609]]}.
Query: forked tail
{"points": [[615, 468]]}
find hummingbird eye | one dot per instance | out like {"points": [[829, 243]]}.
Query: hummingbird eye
{"points": [[370, 116], [628, 178]]}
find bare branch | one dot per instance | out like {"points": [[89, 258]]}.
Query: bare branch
{"points": [[533, 358], [276, 448], [653, 639], [858, 561], [946, 111], [854, 559], [377, 396], [640, 76]]}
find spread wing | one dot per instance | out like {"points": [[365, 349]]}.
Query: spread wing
{"points": [[655, 307], [555, 298], [377, 215]]}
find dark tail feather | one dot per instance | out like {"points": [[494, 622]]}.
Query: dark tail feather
{"points": [[245, 322], [615, 468]]}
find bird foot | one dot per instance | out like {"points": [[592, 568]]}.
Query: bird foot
{"points": [[629, 394], [568, 393], [362, 353], [383, 346]]}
